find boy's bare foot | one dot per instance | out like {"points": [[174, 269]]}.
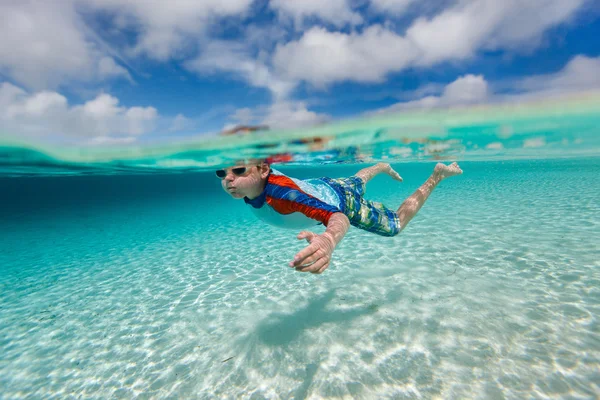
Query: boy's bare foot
{"points": [[444, 171], [387, 168]]}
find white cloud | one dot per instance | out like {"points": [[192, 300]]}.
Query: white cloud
{"points": [[279, 115], [108, 68], [422, 103], [581, 73], [467, 89], [101, 107], [180, 123], [336, 12], [169, 29], [236, 58], [103, 116], [285, 115], [36, 105], [139, 120], [9, 94], [321, 57], [47, 114], [43, 46], [457, 33], [244, 116]]}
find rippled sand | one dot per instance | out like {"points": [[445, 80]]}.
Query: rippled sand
{"points": [[493, 291]]}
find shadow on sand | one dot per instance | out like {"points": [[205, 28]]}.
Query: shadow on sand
{"points": [[282, 329]]}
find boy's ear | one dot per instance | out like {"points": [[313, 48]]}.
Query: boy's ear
{"points": [[264, 170]]}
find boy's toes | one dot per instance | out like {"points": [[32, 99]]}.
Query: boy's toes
{"points": [[395, 175], [447, 170]]}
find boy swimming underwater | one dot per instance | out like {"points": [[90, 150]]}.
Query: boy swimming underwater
{"points": [[336, 203]]}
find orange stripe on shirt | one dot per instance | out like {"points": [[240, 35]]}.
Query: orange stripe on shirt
{"points": [[284, 181], [288, 207]]}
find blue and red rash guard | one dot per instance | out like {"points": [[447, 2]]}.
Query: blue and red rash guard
{"points": [[292, 203]]}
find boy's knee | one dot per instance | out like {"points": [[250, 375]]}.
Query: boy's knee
{"points": [[363, 180], [396, 232], [389, 232]]}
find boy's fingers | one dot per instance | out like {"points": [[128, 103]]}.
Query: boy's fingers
{"points": [[311, 259], [308, 251], [323, 268], [316, 267], [313, 267], [305, 235]]}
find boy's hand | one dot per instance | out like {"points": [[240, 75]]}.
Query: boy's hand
{"points": [[316, 256]]}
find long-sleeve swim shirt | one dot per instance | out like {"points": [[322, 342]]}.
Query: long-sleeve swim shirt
{"points": [[293, 203]]}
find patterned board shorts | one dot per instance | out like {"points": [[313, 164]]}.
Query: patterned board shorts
{"points": [[364, 214]]}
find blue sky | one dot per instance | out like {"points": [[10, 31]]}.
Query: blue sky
{"points": [[127, 71]]}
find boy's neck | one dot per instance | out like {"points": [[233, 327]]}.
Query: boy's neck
{"points": [[260, 189]]}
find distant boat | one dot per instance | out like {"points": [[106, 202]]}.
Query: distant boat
{"points": [[244, 129]]}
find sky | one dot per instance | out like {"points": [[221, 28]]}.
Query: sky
{"points": [[102, 72]]}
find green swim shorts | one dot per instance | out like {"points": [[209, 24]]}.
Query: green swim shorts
{"points": [[369, 215]]}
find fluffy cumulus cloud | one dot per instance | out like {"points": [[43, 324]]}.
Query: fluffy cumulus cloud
{"points": [[43, 46], [322, 56], [462, 30], [466, 90], [279, 115], [168, 29], [236, 58], [581, 73], [47, 113], [292, 115]]}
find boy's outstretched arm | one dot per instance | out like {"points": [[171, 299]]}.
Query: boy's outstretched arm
{"points": [[316, 256]]}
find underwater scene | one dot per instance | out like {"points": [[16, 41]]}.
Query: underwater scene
{"points": [[128, 272]]}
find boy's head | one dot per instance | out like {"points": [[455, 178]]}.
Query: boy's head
{"points": [[244, 179]]}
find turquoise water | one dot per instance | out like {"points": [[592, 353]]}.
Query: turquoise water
{"points": [[119, 283], [145, 285]]}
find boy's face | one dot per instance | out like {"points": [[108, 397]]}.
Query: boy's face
{"points": [[244, 180]]}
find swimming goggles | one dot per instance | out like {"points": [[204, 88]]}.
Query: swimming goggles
{"points": [[237, 171]]}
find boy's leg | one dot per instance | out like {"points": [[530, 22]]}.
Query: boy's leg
{"points": [[413, 204], [366, 174]]}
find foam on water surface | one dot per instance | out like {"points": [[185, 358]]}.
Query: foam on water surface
{"points": [[546, 128]]}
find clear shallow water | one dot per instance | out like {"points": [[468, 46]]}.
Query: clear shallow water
{"points": [[161, 286]]}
